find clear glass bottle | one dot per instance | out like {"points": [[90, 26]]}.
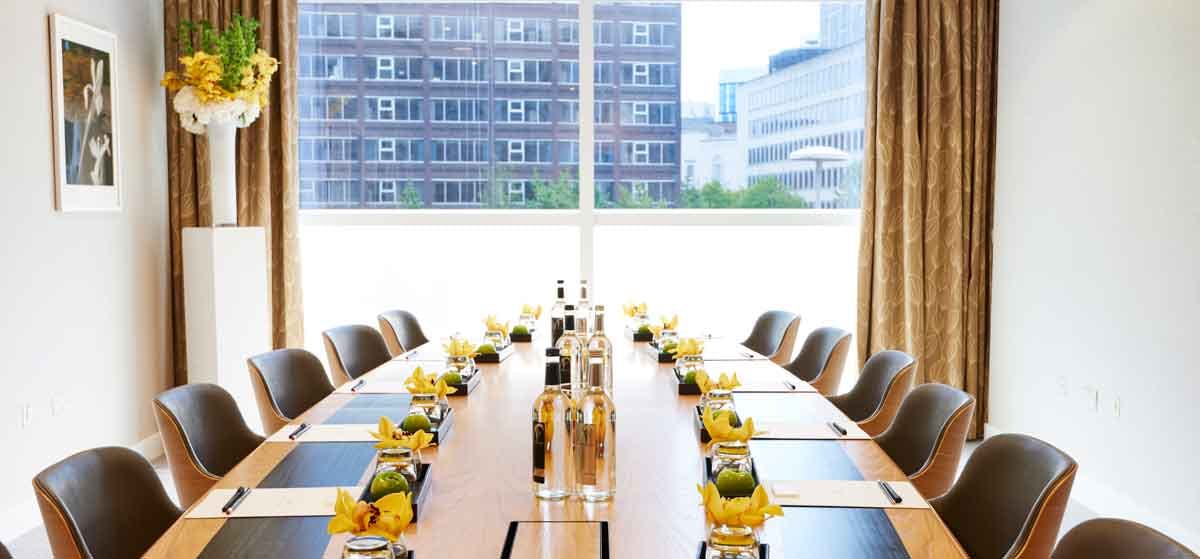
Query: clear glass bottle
{"points": [[558, 313], [594, 437], [598, 345], [572, 355], [583, 311], [551, 436]]}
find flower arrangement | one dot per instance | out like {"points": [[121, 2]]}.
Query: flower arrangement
{"points": [[390, 435], [535, 312], [740, 511], [634, 309], [664, 323], [687, 347], [720, 428], [724, 382], [494, 325], [460, 347], [224, 77], [420, 382], [387, 517]]}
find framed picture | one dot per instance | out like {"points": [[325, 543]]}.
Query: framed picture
{"points": [[83, 63]]}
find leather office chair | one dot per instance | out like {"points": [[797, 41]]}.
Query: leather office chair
{"points": [[926, 439], [1009, 501], [873, 402], [401, 331], [1112, 538], [774, 335], [4, 554], [204, 436], [287, 382], [103, 502], [822, 359], [353, 350]]}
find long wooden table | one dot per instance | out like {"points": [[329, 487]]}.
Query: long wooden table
{"points": [[481, 474]]}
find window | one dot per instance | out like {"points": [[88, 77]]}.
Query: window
{"points": [[522, 30], [460, 110], [458, 69], [648, 153], [523, 71], [523, 110], [458, 192], [649, 74], [328, 107], [408, 150], [400, 109], [525, 151], [457, 28], [394, 26], [568, 32], [649, 113], [649, 34], [325, 67], [394, 68], [569, 112], [568, 72], [327, 25], [459, 151], [328, 149]]}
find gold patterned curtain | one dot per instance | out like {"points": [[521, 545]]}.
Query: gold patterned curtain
{"points": [[925, 253], [267, 184]]}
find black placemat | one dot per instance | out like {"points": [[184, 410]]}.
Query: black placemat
{"points": [[797, 460], [294, 537], [367, 408], [837, 533], [322, 465], [797, 407]]}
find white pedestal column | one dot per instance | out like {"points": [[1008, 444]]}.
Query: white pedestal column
{"points": [[227, 308]]}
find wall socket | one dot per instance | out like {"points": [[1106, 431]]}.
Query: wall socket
{"points": [[26, 415]]}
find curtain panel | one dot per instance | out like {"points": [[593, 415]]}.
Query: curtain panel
{"points": [[925, 251], [267, 172]]}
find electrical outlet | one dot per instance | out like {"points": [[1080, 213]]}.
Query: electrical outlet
{"points": [[1116, 406], [1091, 398], [26, 415]]}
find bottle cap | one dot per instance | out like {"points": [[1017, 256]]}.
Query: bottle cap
{"points": [[552, 352]]}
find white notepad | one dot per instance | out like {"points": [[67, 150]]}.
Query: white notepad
{"points": [[344, 433], [850, 494], [809, 431], [272, 502]]}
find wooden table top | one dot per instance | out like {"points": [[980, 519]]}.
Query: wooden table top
{"points": [[481, 475]]}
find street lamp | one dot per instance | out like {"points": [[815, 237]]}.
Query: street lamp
{"points": [[820, 155]]}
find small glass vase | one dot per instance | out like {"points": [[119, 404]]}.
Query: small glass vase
{"points": [[732, 542], [731, 455], [373, 547], [461, 364], [528, 321], [497, 338], [401, 460], [426, 404], [719, 399], [689, 364], [665, 339]]}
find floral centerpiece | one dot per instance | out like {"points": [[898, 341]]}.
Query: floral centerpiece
{"points": [[385, 518], [527, 323], [734, 519], [664, 327], [223, 85], [496, 334], [460, 355]]}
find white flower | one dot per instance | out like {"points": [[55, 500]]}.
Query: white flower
{"points": [[195, 115]]}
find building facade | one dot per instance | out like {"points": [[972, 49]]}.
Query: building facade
{"points": [[728, 82], [816, 100], [711, 153], [469, 105]]}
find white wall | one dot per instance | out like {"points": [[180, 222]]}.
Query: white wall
{"points": [[84, 297], [1096, 287]]}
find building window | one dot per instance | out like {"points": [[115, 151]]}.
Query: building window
{"points": [[458, 69], [453, 192], [568, 32], [648, 153], [523, 71], [327, 26], [649, 113], [383, 191], [457, 28], [405, 150], [394, 68], [328, 149], [460, 110], [404, 27], [524, 151], [523, 30], [649, 34], [460, 151], [516, 191], [319, 66], [523, 110], [399, 109], [327, 107], [604, 153], [649, 74], [568, 72]]}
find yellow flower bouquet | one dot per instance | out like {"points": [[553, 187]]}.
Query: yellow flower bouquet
{"points": [[224, 77], [387, 517]]}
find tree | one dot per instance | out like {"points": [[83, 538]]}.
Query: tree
{"points": [[769, 193], [562, 193], [410, 198]]}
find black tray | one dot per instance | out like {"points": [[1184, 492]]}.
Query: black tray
{"points": [[663, 357], [639, 336], [762, 550], [442, 429], [513, 526], [520, 338], [465, 388], [501, 354], [685, 389], [707, 476], [419, 493], [699, 417]]}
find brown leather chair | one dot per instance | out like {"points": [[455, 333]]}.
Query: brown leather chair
{"points": [[774, 335], [926, 439], [401, 331], [353, 350], [885, 378], [103, 502], [4, 554], [204, 435], [1009, 501], [1112, 538], [822, 359], [287, 382]]}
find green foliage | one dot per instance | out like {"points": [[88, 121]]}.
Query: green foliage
{"points": [[556, 195], [769, 193], [233, 47], [410, 198]]}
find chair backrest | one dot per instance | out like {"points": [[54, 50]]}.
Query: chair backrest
{"points": [[822, 359], [1113, 537], [4, 554], [885, 378], [353, 350], [401, 331], [103, 502], [926, 439], [286, 383], [1010, 499], [774, 334], [204, 436]]}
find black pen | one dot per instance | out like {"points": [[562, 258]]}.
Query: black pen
{"points": [[891, 493], [838, 428], [357, 385], [235, 500], [789, 385], [299, 431]]}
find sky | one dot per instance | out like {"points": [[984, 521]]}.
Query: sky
{"points": [[731, 34]]}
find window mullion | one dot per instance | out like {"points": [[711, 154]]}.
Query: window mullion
{"points": [[587, 138]]}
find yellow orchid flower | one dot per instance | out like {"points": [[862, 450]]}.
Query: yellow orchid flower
{"points": [[388, 517], [724, 382], [496, 325], [655, 329], [442, 389], [720, 430], [688, 347], [459, 347], [740, 511], [670, 323], [633, 309], [530, 309], [389, 435], [419, 382]]}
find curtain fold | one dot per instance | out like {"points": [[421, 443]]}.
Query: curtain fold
{"points": [[925, 251], [267, 181]]}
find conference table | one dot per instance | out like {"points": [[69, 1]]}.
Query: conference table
{"points": [[481, 473]]}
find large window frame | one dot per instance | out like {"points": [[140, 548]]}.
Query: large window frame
{"points": [[586, 218]]}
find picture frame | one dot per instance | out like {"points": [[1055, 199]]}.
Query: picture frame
{"points": [[84, 102]]}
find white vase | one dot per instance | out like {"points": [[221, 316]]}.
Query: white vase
{"points": [[222, 171]]}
